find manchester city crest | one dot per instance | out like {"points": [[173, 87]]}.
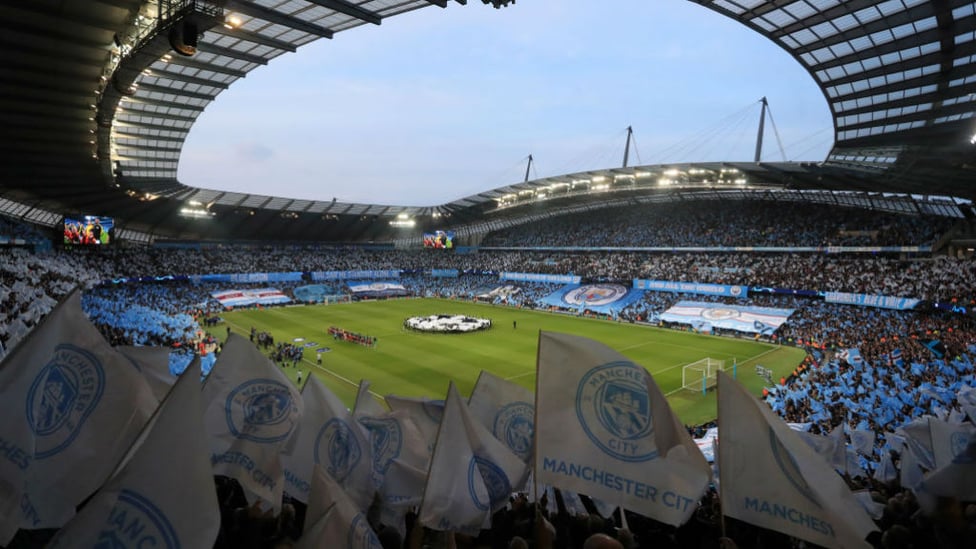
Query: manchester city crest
{"points": [[968, 454], [135, 522], [789, 467], [387, 440], [495, 480], [337, 449], [261, 410], [514, 425], [614, 409], [720, 313], [595, 294], [958, 442], [61, 398]]}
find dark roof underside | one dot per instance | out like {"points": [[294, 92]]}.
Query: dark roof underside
{"points": [[96, 105]]}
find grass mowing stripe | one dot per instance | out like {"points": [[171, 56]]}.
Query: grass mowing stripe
{"points": [[414, 364]]}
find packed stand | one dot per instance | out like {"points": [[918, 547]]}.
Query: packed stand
{"points": [[725, 223]]}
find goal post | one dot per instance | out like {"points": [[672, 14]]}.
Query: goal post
{"points": [[701, 375]]}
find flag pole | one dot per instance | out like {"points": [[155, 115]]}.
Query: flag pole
{"points": [[535, 422], [423, 496], [717, 451]]}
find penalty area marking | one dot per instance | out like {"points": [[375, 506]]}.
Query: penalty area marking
{"points": [[764, 353]]}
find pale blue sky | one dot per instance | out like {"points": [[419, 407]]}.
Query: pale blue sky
{"points": [[438, 104]]}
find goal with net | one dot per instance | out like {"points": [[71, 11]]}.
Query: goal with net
{"points": [[700, 375]]}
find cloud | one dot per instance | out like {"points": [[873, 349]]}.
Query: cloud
{"points": [[253, 152]]}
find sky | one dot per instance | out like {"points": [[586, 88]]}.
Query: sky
{"points": [[439, 104]]}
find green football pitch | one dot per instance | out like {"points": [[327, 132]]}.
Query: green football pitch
{"points": [[408, 363]]}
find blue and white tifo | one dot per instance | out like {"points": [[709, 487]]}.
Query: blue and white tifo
{"points": [[599, 298], [377, 289], [254, 296], [706, 316]]}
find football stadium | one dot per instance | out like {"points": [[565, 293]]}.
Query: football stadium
{"points": [[704, 353]]}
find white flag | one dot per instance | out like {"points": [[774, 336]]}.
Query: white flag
{"points": [[507, 409], [332, 519], [365, 403], [967, 400], [863, 441], [424, 412], [911, 473], [471, 473], [328, 437], [918, 440], [72, 406], [252, 411], [400, 460], [831, 447], [886, 469], [958, 479], [772, 479], [163, 495], [948, 441], [502, 471], [153, 362], [853, 464], [603, 428]]}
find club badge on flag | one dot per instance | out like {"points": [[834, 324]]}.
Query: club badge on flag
{"points": [[72, 406], [471, 473], [604, 428], [507, 410], [328, 438], [948, 441], [163, 494], [773, 479], [252, 412], [425, 413]]}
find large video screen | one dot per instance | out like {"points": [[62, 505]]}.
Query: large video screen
{"points": [[439, 239], [88, 230]]}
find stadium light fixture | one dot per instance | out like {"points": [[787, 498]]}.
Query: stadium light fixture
{"points": [[196, 213], [972, 140], [599, 179], [232, 21], [403, 223]]}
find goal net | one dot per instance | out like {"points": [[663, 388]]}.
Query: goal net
{"points": [[701, 375]]}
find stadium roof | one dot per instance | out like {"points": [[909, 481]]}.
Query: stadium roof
{"points": [[97, 102]]}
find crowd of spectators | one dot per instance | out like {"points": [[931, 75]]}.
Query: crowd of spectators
{"points": [[926, 278], [724, 223], [869, 369]]}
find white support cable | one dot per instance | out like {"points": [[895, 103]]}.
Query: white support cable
{"points": [[782, 152]]}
